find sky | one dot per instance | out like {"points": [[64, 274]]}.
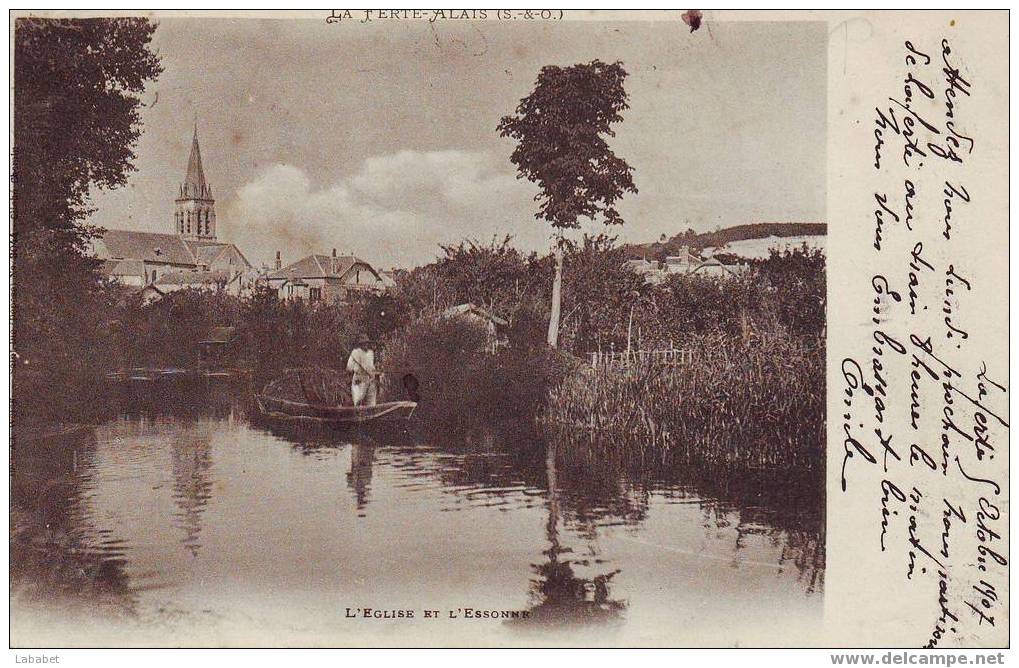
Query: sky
{"points": [[379, 139]]}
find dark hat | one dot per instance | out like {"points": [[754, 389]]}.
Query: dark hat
{"points": [[361, 338]]}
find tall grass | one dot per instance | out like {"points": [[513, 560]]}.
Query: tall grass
{"points": [[738, 407]]}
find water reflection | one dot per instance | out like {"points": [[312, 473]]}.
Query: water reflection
{"points": [[559, 597], [602, 491], [173, 494], [54, 549], [190, 462], [362, 456]]}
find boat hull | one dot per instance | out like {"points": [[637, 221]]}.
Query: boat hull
{"points": [[293, 411]]}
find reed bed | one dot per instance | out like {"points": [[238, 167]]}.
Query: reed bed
{"points": [[739, 406]]}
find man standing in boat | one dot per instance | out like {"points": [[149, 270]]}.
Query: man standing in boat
{"points": [[361, 364]]}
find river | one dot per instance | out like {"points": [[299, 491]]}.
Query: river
{"points": [[204, 527]]}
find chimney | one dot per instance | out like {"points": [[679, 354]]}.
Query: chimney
{"points": [[334, 252], [279, 260]]}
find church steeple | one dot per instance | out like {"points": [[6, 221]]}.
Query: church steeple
{"points": [[195, 215], [194, 182]]}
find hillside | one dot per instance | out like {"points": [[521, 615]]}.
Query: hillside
{"points": [[723, 237]]}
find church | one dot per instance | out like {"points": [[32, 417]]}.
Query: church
{"points": [[189, 257]]}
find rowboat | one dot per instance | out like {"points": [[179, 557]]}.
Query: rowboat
{"points": [[294, 411]]}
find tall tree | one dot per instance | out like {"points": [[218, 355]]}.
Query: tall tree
{"points": [[76, 117], [561, 130]]}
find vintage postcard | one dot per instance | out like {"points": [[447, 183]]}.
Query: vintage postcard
{"points": [[509, 328]]}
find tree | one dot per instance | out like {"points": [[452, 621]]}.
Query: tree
{"points": [[76, 117], [796, 281], [561, 130], [603, 292]]}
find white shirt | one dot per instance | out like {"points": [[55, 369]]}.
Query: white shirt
{"points": [[361, 363]]}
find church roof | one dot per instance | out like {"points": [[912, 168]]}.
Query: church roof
{"points": [[147, 246], [319, 266], [207, 252], [154, 247], [194, 182], [124, 268]]}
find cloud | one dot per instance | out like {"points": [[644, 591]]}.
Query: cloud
{"points": [[395, 210]]}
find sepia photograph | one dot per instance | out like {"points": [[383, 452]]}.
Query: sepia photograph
{"points": [[378, 328]]}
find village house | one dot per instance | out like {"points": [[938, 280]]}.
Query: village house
{"points": [[493, 326], [685, 263], [324, 278], [714, 268], [190, 256], [650, 270], [682, 263]]}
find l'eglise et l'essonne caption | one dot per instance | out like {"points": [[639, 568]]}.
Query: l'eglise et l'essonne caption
{"points": [[192, 256]]}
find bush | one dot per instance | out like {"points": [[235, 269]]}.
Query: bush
{"points": [[462, 386]]}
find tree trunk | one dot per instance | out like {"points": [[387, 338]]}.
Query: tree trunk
{"points": [[557, 298], [629, 330]]}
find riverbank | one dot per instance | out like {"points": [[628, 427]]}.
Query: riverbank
{"points": [[737, 407]]}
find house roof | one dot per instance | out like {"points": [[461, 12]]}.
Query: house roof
{"points": [[734, 269], [320, 266], [684, 257], [641, 266], [474, 309], [158, 248], [147, 246], [194, 278]]}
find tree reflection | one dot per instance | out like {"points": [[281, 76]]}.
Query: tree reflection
{"points": [[787, 511], [54, 551], [597, 491], [559, 597]]}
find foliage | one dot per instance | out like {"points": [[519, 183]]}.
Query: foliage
{"points": [[75, 120], [795, 281], [270, 334], [167, 332], [783, 298], [76, 116], [560, 130], [599, 291], [737, 407], [494, 275], [463, 386]]}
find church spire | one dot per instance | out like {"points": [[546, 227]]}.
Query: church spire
{"points": [[195, 214], [194, 183]]}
